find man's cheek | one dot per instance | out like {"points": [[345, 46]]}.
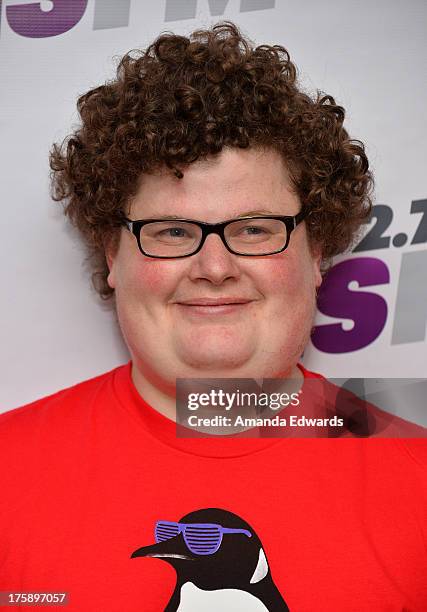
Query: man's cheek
{"points": [[152, 276], [280, 277]]}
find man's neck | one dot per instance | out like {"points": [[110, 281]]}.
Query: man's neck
{"points": [[162, 398]]}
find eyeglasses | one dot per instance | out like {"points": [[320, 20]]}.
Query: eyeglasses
{"points": [[248, 236], [200, 538]]}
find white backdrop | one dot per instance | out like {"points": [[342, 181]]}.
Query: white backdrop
{"points": [[371, 56]]}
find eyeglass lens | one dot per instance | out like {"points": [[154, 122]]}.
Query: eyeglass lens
{"points": [[165, 531], [244, 236]]}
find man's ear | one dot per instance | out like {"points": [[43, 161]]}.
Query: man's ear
{"points": [[110, 277], [316, 251], [111, 245]]}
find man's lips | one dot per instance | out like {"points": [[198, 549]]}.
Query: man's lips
{"points": [[213, 306], [222, 301]]}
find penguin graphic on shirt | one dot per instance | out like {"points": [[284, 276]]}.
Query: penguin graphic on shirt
{"points": [[219, 561]]}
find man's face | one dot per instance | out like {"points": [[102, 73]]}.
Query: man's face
{"points": [[263, 334]]}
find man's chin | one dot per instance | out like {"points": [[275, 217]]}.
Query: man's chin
{"points": [[216, 363]]}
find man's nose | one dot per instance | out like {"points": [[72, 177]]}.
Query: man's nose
{"points": [[214, 262]]}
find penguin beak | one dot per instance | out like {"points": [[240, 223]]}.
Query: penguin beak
{"points": [[174, 548]]}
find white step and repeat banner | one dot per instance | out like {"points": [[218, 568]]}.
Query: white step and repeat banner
{"points": [[371, 56]]}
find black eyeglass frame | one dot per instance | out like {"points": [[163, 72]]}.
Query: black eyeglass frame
{"points": [[290, 222]]}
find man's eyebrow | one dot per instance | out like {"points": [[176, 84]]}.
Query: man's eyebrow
{"points": [[165, 217], [250, 213]]}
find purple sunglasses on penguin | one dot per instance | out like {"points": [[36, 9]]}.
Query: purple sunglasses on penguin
{"points": [[200, 538]]}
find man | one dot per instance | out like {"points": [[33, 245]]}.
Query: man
{"points": [[211, 192]]}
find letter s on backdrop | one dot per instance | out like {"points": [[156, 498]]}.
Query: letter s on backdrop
{"points": [[367, 310], [31, 21]]}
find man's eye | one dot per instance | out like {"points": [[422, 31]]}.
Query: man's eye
{"points": [[254, 230], [173, 232]]}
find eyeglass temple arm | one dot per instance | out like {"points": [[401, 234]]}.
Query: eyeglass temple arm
{"points": [[230, 530], [128, 223], [304, 212]]}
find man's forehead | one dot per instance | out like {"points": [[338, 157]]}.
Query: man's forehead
{"points": [[231, 166], [231, 184]]}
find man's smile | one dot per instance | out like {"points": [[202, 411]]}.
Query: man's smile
{"points": [[214, 306]]}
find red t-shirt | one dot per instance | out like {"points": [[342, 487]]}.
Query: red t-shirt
{"points": [[245, 524]]}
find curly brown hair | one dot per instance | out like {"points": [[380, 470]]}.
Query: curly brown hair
{"points": [[185, 98]]}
